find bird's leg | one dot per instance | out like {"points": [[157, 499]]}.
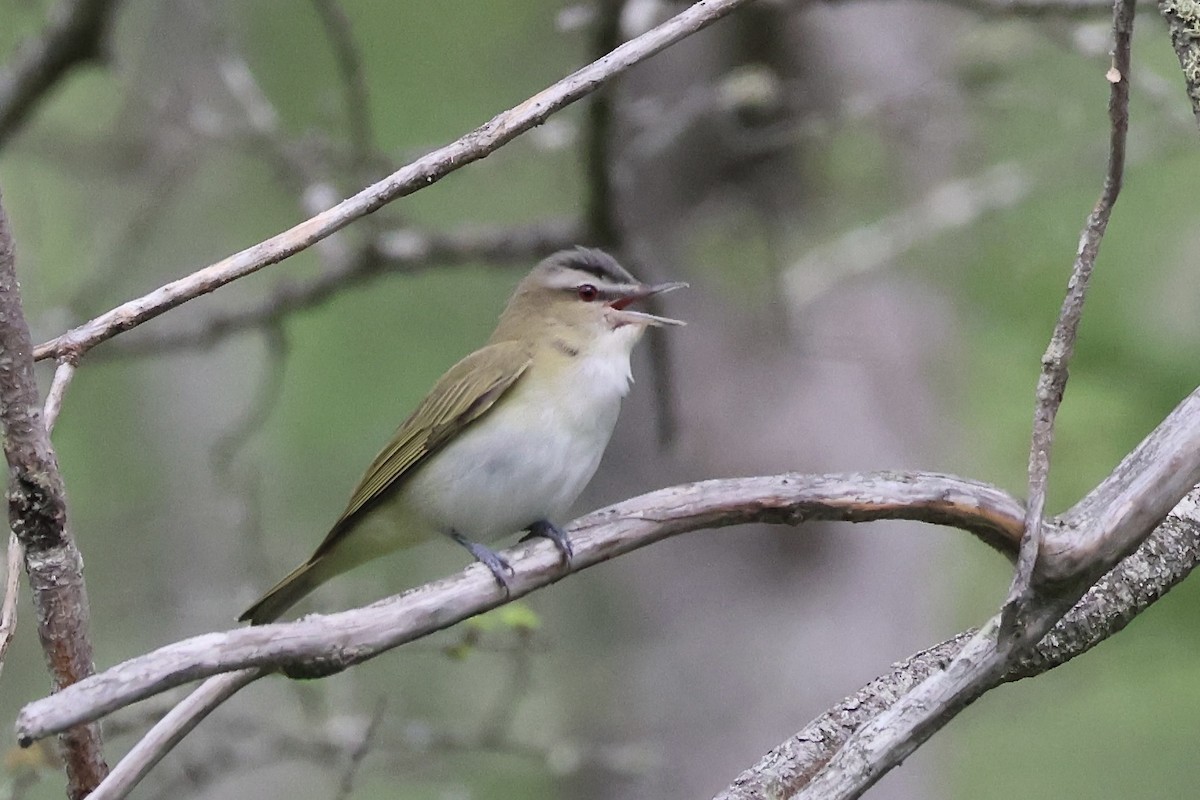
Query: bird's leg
{"points": [[547, 529], [500, 568]]}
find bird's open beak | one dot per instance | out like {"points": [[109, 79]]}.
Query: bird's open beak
{"points": [[626, 316]]}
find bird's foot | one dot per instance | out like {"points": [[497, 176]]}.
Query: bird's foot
{"points": [[547, 529], [495, 562]]}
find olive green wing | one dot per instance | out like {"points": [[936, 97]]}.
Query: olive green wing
{"points": [[464, 394]]}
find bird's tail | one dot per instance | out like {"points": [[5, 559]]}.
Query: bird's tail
{"points": [[285, 594]]}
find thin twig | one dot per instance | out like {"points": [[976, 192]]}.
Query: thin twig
{"points": [[12, 593], [304, 647], [37, 515], [1038, 9], [358, 108], [602, 218], [411, 178], [602, 208], [74, 35], [169, 731], [361, 748], [952, 205], [63, 375], [1055, 363], [396, 253]]}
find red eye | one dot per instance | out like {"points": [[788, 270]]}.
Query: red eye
{"points": [[587, 292]]}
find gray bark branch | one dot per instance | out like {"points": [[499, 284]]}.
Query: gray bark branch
{"points": [[324, 644], [37, 514], [1163, 560], [1052, 381], [1183, 21], [403, 252]]}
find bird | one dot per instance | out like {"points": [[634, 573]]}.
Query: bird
{"points": [[507, 438]]}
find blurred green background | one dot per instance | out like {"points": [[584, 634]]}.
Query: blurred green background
{"points": [[133, 173]]}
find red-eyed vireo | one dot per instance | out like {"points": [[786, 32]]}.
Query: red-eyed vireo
{"points": [[507, 439]]}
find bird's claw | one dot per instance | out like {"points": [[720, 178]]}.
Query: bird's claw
{"points": [[546, 529], [496, 563]]}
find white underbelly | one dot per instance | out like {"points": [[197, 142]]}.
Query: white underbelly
{"points": [[513, 468]]}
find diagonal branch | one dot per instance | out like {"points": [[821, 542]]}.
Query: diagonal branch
{"points": [[322, 644], [37, 514], [170, 730], [396, 253], [408, 179], [74, 35], [354, 84], [1052, 381]]}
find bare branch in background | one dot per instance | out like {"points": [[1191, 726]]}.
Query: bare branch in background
{"points": [[395, 253], [1110, 525], [170, 730], [1037, 9], [1052, 381], [167, 166], [1183, 21], [37, 514], [74, 35], [359, 751], [602, 214], [872, 247], [358, 108], [603, 222], [253, 742], [63, 375], [417, 175]]}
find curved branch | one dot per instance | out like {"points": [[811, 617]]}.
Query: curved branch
{"points": [[1165, 559], [322, 644], [1111, 520], [408, 179]]}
